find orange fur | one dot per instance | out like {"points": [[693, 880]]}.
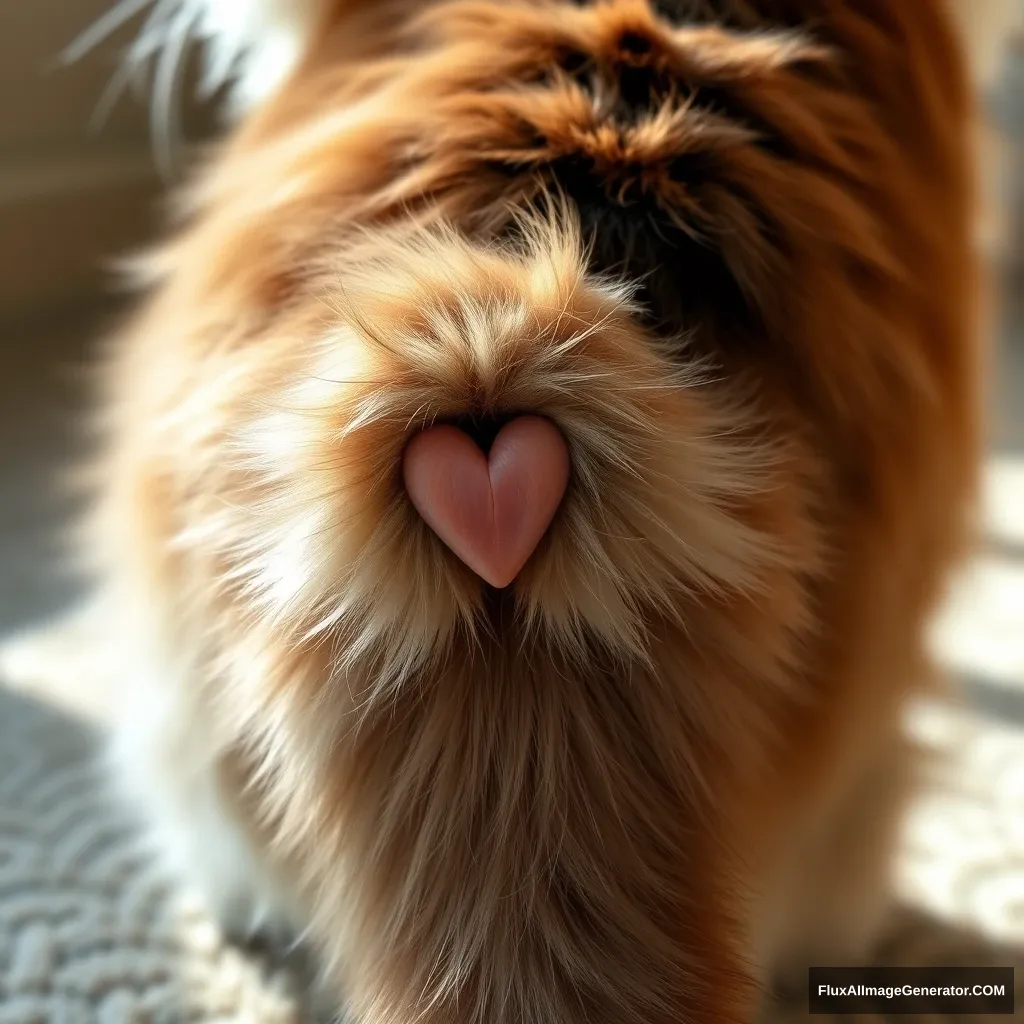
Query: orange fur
{"points": [[622, 789]]}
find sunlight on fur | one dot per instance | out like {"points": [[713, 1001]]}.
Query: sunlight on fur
{"points": [[726, 248]]}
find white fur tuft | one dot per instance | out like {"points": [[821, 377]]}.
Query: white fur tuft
{"points": [[249, 47], [252, 43]]}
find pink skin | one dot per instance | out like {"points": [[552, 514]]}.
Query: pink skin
{"points": [[491, 511]]}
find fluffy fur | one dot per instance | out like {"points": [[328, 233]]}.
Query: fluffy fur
{"points": [[726, 247], [251, 46]]}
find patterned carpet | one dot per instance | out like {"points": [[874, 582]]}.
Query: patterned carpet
{"points": [[91, 931]]}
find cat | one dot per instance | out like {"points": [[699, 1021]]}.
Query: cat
{"points": [[545, 438]]}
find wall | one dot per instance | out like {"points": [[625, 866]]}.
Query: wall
{"points": [[71, 198]]}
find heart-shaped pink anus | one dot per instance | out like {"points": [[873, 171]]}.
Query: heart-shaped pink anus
{"points": [[491, 509]]}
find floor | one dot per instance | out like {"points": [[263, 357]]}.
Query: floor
{"points": [[43, 401]]}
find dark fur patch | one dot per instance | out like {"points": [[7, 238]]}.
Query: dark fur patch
{"points": [[683, 280], [738, 13]]}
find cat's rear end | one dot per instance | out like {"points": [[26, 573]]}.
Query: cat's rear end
{"points": [[723, 250]]}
